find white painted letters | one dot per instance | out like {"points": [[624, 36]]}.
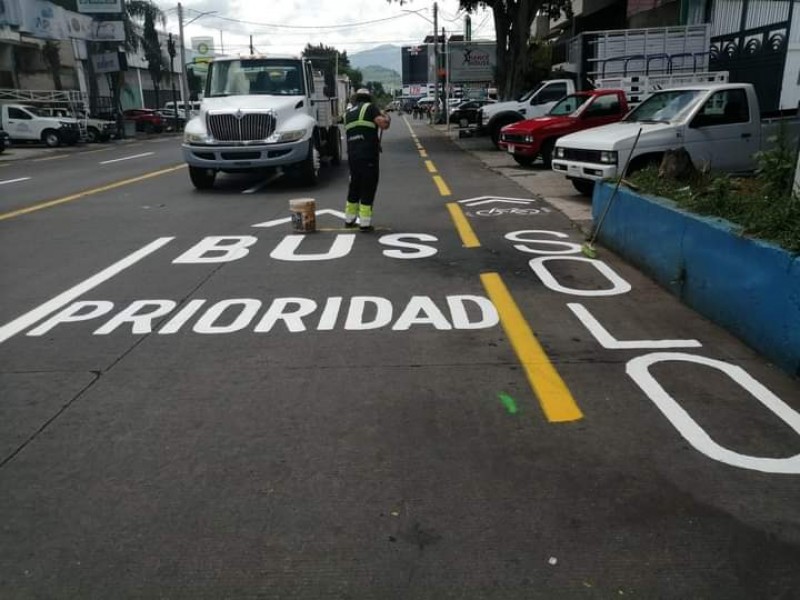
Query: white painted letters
{"points": [[355, 316], [566, 247], [396, 240], [248, 308], [287, 248], [619, 285], [140, 314], [72, 313], [279, 311], [639, 370], [217, 249], [421, 311], [460, 318]]}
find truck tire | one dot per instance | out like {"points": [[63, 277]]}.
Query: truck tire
{"points": [[496, 124], [308, 173], [202, 179], [335, 140], [524, 161], [547, 152], [92, 135], [51, 138], [584, 186]]}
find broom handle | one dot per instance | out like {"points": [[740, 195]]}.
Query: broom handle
{"points": [[616, 187]]}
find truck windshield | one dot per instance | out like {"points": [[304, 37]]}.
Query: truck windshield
{"points": [[664, 106], [568, 105], [527, 95], [255, 76]]}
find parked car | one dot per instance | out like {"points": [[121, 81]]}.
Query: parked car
{"points": [[526, 140], [466, 112], [29, 124], [147, 120], [719, 125], [5, 140], [97, 130]]}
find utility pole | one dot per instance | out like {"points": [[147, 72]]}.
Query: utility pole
{"points": [[184, 72], [435, 62], [171, 52], [251, 46], [221, 45]]}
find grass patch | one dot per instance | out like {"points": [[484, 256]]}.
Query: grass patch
{"points": [[763, 206]]}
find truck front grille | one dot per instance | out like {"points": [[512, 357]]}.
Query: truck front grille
{"points": [[589, 156], [241, 127], [514, 138]]}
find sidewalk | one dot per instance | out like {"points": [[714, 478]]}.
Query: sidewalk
{"points": [[542, 183]]}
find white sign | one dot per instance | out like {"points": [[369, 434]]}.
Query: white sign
{"points": [[43, 20], [78, 26], [108, 31], [107, 62], [203, 47], [472, 61], [100, 6]]}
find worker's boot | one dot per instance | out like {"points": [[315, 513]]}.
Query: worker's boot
{"points": [[350, 214], [365, 217]]}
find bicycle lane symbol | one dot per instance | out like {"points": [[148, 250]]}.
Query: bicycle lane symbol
{"points": [[495, 211]]}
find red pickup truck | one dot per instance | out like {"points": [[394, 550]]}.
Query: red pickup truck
{"points": [[526, 140]]}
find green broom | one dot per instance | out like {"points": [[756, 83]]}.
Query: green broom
{"points": [[588, 248]]}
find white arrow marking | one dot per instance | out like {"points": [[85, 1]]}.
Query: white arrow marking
{"points": [[14, 180], [324, 211], [490, 199], [113, 160]]}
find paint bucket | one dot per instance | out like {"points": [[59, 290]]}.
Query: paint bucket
{"points": [[303, 211]]}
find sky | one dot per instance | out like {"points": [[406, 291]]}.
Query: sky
{"points": [[286, 26]]}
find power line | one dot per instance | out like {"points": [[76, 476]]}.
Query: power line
{"points": [[305, 27]]}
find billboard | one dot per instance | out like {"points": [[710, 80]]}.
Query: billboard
{"points": [[99, 6], [108, 31], [472, 61], [415, 64]]}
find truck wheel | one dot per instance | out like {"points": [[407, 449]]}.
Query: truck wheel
{"points": [[203, 179], [584, 186], [547, 152], [335, 139], [309, 168], [92, 135], [525, 161], [51, 138]]}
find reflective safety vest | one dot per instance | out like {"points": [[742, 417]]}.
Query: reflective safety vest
{"points": [[362, 134]]}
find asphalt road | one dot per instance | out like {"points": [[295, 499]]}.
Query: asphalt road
{"points": [[198, 402]]}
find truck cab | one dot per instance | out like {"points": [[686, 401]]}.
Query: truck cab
{"points": [[260, 112], [534, 103], [525, 140], [29, 124]]}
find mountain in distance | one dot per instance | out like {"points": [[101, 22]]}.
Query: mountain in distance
{"points": [[385, 55], [390, 78]]}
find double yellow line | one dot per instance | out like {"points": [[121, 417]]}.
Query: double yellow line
{"points": [[549, 388]]}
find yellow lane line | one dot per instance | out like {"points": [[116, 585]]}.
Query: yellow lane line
{"points": [[423, 153], [468, 237], [430, 166], [554, 397], [50, 158], [443, 189], [91, 192]]}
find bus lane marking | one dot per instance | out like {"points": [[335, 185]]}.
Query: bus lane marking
{"points": [[19, 179], [553, 394], [43, 310]]}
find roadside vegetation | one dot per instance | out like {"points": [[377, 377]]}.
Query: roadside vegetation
{"points": [[764, 206]]}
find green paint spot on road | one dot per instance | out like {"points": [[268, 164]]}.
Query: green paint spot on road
{"points": [[508, 402]]}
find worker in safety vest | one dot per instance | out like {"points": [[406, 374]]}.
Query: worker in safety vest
{"points": [[363, 124]]}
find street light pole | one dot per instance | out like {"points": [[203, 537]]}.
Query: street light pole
{"points": [[171, 52], [435, 63]]}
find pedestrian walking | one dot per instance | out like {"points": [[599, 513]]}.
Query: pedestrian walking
{"points": [[363, 124]]}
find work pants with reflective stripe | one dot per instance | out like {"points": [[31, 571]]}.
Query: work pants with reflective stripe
{"points": [[364, 174]]}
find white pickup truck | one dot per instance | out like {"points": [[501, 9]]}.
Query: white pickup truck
{"points": [[29, 124], [534, 103], [719, 125], [260, 112]]}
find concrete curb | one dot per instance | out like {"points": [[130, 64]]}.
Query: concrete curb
{"points": [[749, 287]]}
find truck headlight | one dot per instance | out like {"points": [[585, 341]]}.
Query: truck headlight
{"points": [[560, 152], [195, 138], [528, 139], [609, 158], [291, 136]]}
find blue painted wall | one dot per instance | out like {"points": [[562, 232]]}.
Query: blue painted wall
{"points": [[751, 288]]}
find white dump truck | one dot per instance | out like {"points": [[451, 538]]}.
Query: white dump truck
{"points": [[261, 112]]}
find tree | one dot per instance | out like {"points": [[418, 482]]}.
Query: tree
{"points": [[332, 56], [52, 56], [512, 24], [153, 53]]}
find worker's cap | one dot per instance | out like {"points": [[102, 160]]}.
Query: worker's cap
{"points": [[363, 92]]}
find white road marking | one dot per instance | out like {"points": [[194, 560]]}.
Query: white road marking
{"points": [[29, 318], [14, 180], [324, 211], [113, 160]]}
